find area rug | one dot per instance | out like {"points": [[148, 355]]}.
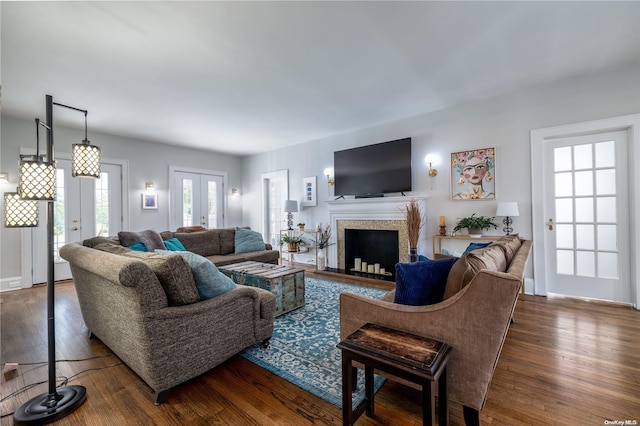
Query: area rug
{"points": [[303, 347]]}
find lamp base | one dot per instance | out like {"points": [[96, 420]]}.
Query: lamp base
{"points": [[39, 410]]}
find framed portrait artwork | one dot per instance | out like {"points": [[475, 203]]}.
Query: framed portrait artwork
{"points": [[473, 174], [149, 201], [310, 189]]}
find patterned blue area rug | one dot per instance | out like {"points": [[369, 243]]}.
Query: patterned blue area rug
{"points": [[303, 347]]}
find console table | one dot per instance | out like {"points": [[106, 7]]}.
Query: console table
{"points": [[415, 358], [437, 240]]}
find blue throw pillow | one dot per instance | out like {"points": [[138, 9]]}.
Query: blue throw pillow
{"points": [[174, 244], [247, 241], [422, 258], [139, 246], [422, 283], [210, 282], [475, 246]]}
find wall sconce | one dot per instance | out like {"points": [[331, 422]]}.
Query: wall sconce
{"points": [[4, 178], [149, 186], [235, 192], [432, 159], [328, 172]]}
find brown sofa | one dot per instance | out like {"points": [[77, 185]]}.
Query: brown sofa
{"points": [[125, 300], [480, 297]]}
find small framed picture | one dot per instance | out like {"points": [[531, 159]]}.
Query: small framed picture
{"points": [[309, 191], [473, 174], [149, 201]]}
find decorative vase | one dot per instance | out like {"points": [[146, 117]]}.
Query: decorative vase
{"points": [[413, 254], [475, 232], [322, 260]]}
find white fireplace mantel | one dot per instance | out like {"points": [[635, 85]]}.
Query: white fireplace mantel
{"points": [[363, 209]]}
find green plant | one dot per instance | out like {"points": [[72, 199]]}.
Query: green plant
{"points": [[292, 239], [473, 221]]}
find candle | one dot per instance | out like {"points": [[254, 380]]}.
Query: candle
{"points": [[376, 268], [364, 267], [382, 271], [358, 264], [441, 220], [370, 269]]}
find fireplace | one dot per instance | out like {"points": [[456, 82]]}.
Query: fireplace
{"points": [[378, 248]]}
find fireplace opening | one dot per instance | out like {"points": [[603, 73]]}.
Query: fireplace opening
{"points": [[373, 247]]}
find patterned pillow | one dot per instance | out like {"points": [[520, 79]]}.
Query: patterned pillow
{"points": [[210, 282], [172, 271], [422, 283]]}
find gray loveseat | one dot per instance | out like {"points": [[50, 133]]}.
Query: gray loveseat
{"points": [[124, 304]]}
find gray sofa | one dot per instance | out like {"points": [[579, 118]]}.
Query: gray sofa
{"points": [[124, 304]]}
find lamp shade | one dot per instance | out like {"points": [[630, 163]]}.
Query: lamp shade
{"points": [[509, 208], [85, 160], [19, 213], [290, 206], [36, 178]]}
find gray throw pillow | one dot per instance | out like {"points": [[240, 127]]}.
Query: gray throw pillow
{"points": [[247, 241], [150, 238], [210, 282]]}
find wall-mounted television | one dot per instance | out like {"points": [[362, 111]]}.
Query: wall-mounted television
{"points": [[373, 170]]}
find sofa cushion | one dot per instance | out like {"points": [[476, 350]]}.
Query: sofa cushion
{"points": [[171, 269], [422, 283], [475, 246], [247, 241], [510, 244], [94, 241], [227, 240], [210, 282], [205, 243], [491, 258], [150, 238]]}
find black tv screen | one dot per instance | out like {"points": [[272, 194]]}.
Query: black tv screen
{"points": [[373, 170]]}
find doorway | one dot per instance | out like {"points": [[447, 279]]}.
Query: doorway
{"points": [[275, 190], [199, 198], [583, 201]]}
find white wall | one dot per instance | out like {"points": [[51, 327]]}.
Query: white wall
{"points": [[503, 122], [148, 162]]}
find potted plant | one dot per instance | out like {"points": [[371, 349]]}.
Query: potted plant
{"points": [[293, 241], [301, 226], [475, 224]]}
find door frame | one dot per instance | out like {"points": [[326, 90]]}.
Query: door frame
{"points": [[174, 190], [264, 180], [539, 138], [26, 253]]}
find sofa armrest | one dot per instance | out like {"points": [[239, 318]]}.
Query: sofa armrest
{"points": [[474, 322]]}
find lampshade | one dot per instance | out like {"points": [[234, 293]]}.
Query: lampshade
{"points": [[509, 208], [85, 160], [36, 178], [19, 213], [290, 206]]}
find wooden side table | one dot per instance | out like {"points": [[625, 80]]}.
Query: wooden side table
{"points": [[415, 358]]}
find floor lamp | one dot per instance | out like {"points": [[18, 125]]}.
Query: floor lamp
{"points": [[38, 182]]}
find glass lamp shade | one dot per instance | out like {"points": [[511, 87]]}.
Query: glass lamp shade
{"points": [[19, 213], [85, 160], [37, 179]]}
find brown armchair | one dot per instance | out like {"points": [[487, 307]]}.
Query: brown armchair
{"points": [[474, 321]]}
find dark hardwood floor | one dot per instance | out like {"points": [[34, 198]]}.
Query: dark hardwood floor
{"points": [[565, 362]]}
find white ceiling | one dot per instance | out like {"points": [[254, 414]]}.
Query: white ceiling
{"points": [[248, 77]]}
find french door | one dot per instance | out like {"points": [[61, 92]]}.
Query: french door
{"points": [[199, 200], [275, 190], [586, 209], [83, 208]]}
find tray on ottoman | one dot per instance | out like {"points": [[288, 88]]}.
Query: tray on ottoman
{"points": [[285, 282]]}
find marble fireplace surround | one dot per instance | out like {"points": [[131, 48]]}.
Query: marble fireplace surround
{"points": [[384, 213]]}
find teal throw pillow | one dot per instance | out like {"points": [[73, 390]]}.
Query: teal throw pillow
{"points": [[475, 246], [174, 244], [210, 282], [422, 258], [247, 241], [422, 283], [139, 246]]}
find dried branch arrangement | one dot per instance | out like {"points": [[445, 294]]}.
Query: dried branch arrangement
{"points": [[414, 222]]}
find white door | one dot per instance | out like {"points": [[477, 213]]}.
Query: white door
{"points": [[586, 209], [83, 208], [275, 190], [199, 200]]}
